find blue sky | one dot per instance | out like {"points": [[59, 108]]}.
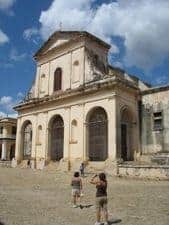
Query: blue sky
{"points": [[136, 30]]}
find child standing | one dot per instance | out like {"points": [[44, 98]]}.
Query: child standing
{"points": [[76, 184], [82, 166]]}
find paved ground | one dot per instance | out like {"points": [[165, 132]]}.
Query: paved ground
{"points": [[30, 197]]}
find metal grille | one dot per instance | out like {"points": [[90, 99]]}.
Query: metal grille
{"points": [[97, 130], [27, 141], [57, 136]]}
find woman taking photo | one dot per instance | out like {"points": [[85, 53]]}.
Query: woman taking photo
{"points": [[101, 197]]}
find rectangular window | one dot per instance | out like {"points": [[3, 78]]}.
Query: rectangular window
{"points": [[157, 121]]}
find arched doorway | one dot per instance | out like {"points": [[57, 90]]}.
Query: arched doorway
{"points": [[27, 140], [12, 152], [126, 135], [97, 135], [57, 138]]}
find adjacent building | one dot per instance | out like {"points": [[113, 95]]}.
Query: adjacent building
{"points": [[7, 138]]}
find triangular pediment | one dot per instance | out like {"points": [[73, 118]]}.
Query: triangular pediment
{"points": [[59, 38], [57, 43]]}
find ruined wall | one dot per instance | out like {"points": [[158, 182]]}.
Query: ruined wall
{"points": [[155, 121]]}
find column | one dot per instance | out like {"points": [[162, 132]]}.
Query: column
{"points": [[18, 146], [4, 149], [112, 129]]}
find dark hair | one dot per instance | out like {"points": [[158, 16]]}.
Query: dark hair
{"points": [[76, 174], [102, 176]]}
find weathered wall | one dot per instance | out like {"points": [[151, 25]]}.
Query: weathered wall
{"points": [[155, 140]]}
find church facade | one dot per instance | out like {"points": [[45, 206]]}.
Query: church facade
{"points": [[82, 109]]}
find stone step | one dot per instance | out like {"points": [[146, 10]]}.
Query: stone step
{"points": [[5, 163], [144, 171], [160, 158], [52, 166]]}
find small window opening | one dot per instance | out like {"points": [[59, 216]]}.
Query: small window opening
{"points": [[158, 121]]}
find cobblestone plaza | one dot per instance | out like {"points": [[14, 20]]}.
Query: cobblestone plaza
{"points": [[43, 198]]}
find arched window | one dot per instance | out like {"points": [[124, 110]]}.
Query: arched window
{"points": [[42, 83], [39, 134], [76, 71], [58, 79], [74, 131]]}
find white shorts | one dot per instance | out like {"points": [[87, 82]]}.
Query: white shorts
{"points": [[76, 192]]}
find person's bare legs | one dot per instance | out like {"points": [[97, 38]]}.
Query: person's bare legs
{"points": [[105, 213], [74, 199], [79, 199], [98, 214]]}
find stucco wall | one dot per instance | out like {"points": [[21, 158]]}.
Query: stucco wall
{"points": [[72, 75], [155, 140]]}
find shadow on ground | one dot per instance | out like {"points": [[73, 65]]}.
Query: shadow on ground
{"points": [[113, 221], [83, 206]]}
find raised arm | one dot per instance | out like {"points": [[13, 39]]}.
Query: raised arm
{"points": [[94, 180]]}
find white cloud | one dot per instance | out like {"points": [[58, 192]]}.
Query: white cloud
{"points": [[143, 25], [7, 103], [161, 80], [13, 115], [3, 38], [74, 14], [2, 114], [117, 64], [20, 95], [15, 56], [29, 33], [6, 4], [5, 100]]}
